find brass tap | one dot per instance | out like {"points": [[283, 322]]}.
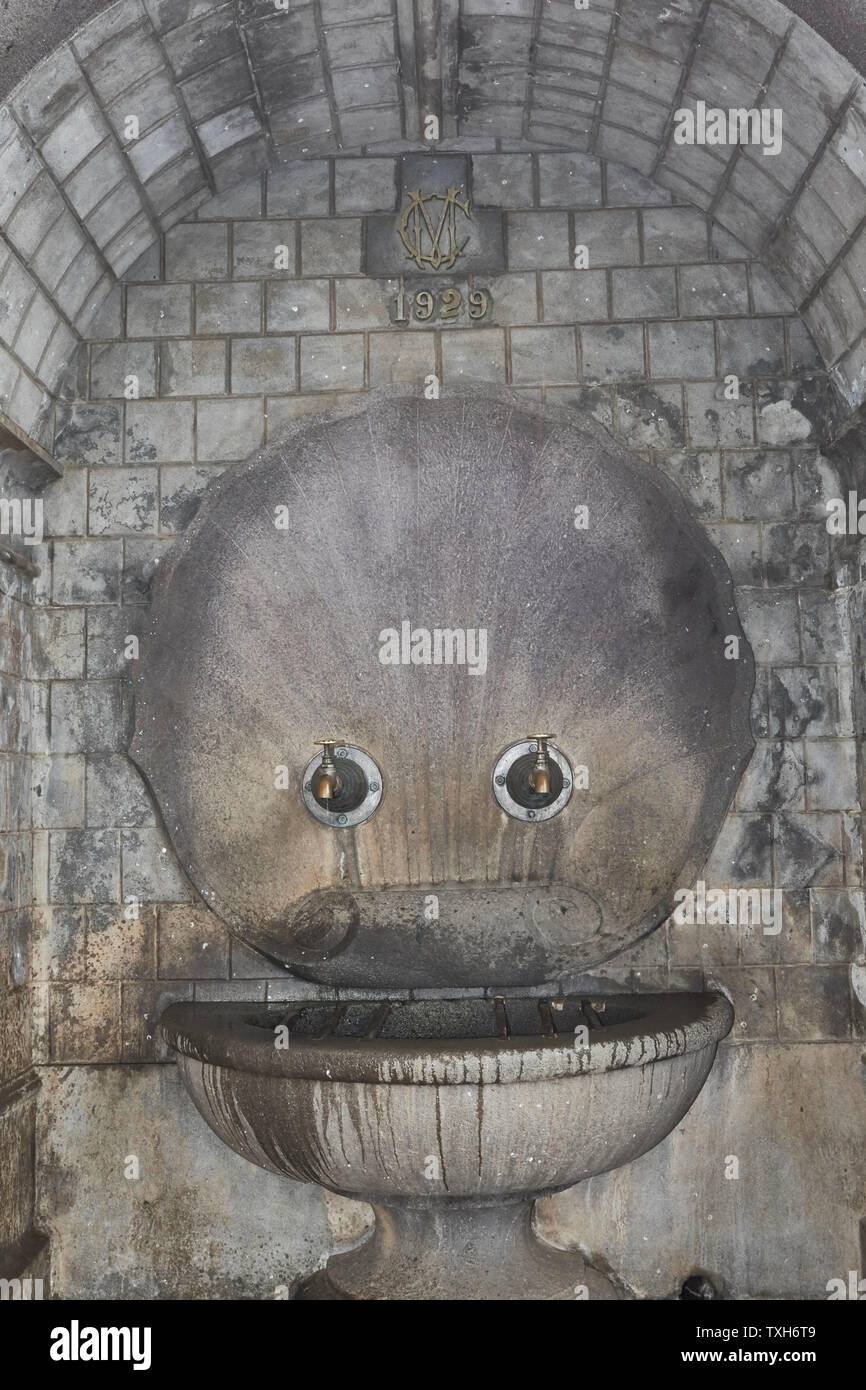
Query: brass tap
{"points": [[326, 782], [539, 778]]}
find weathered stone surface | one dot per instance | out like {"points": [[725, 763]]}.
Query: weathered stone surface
{"points": [[673, 1211], [620, 652], [197, 1220]]}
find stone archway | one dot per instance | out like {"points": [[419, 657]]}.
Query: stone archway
{"points": [[154, 105]]}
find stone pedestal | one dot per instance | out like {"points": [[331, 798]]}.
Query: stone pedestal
{"points": [[456, 1250]]}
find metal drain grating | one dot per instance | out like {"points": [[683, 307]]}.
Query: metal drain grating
{"points": [[499, 1017]]}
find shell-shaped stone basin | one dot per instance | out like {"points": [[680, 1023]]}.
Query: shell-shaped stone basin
{"points": [[454, 1099]]}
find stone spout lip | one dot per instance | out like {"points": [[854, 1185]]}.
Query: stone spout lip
{"points": [[353, 1043]]}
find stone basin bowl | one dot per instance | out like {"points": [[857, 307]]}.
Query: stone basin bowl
{"points": [[450, 1117]]}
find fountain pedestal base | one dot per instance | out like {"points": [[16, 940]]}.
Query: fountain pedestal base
{"points": [[456, 1250]]}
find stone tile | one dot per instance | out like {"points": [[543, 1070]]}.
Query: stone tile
{"points": [[108, 634], [263, 364], [158, 311], [123, 501], [803, 354], [359, 304], [612, 352], [194, 368], [403, 357], [330, 247], [514, 298], [813, 1004], [123, 369], [808, 850], [680, 350], [264, 250], [197, 251], [193, 944], [752, 991], [831, 782], [774, 779], [75, 136], [758, 485], [121, 942], [570, 296], [644, 293], [502, 180], [717, 422], [56, 644], [702, 944], [770, 622], [697, 477], [116, 793], [743, 853], [713, 289], [233, 308], [364, 185], [299, 188], [674, 234], [538, 241], [625, 187], [181, 490], [752, 347], [59, 944], [838, 925], [569, 180], [229, 430], [649, 417], [159, 432], [611, 237], [85, 716], [475, 355], [796, 553], [84, 1022], [88, 434], [816, 479], [740, 545], [305, 305], [332, 364], [543, 356], [790, 946], [57, 792], [140, 558], [87, 571], [84, 866], [150, 871], [804, 700], [823, 622]]}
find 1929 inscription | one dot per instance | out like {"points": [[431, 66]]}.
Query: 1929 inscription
{"points": [[446, 304]]}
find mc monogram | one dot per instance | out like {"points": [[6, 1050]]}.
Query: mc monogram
{"points": [[429, 228]]}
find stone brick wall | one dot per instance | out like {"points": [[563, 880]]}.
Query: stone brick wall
{"points": [[23, 744]]}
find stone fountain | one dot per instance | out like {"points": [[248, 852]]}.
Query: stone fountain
{"points": [[347, 655]]}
